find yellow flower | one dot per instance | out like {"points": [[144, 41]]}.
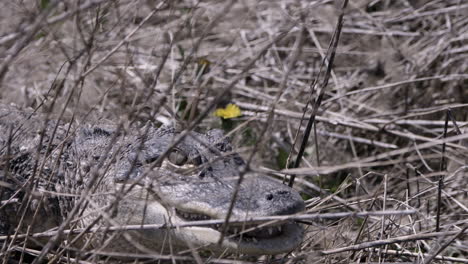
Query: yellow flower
{"points": [[230, 111]]}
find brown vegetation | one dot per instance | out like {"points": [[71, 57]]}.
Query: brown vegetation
{"points": [[388, 131]]}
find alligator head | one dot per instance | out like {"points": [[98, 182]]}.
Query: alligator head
{"points": [[195, 181], [138, 178]]}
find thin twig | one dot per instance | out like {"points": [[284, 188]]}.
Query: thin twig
{"points": [[389, 241], [332, 51]]}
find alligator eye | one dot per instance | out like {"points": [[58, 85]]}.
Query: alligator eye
{"points": [[177, 157]]}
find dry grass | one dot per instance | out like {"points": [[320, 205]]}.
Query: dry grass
{"points": [[400, 72]]}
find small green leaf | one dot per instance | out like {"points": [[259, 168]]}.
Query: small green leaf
{"points": [[281, 158], [44, 4], [181, 51], [305, 196], [249, 138], [40, 35]]}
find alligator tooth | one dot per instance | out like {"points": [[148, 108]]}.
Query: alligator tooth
{"points": [[254, 240], [280, 228], [235, 230], [270, 230]]}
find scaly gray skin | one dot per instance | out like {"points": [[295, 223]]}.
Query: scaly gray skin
{"points": [[195, 181]]}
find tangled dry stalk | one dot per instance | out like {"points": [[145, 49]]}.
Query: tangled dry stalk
{"points": [[389, 133]]}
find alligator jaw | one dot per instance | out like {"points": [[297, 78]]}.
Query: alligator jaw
{"points": [[272, 239], [241, 238], [288, 240], [243, 231]]}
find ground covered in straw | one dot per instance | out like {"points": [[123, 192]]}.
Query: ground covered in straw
{"points": [[387, 90]]}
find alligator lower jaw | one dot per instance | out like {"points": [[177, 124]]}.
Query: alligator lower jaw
{"points": [[245, 232], [244, 238], [202, 237]]}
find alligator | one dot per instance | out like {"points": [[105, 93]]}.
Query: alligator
{"points": [[101, 175]]}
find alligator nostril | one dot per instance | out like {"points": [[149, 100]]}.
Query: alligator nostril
{"points": [[202, 174], [269, 197]]}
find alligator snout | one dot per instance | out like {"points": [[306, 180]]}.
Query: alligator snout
{"points": [[264, 196], [286, 201]]}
